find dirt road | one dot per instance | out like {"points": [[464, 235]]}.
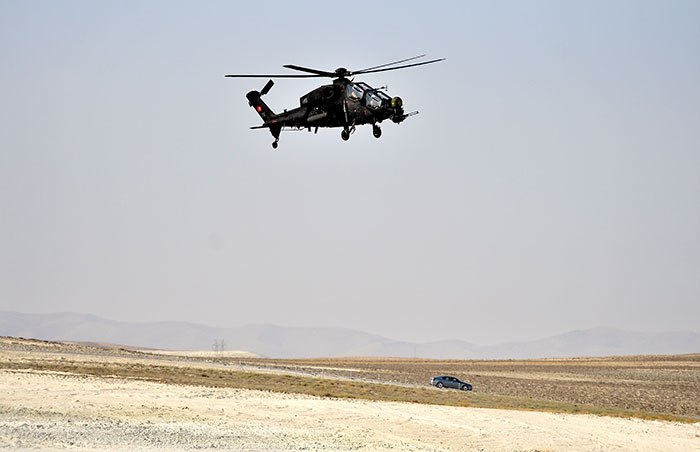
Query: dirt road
{"points": [[43, 410]]}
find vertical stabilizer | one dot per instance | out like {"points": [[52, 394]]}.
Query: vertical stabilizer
{"points": [[255, 101]]}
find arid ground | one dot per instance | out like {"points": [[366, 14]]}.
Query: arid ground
{"points": [[56, 396], [645, 386]]}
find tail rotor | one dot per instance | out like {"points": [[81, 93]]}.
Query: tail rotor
{"points": [[266, 89]]}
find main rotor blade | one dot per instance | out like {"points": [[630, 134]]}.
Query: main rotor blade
{"points": [[313, 71], [394, 68], [272, 75], [318, 73], [390, 64]]}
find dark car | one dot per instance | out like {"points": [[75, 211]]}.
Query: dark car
{"points": [[450, 382]]}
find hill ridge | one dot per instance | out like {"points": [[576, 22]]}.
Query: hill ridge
{"points": [[305, 342]]}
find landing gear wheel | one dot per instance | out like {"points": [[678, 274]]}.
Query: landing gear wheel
{"points": [[274, 145], [376, 131], [345, 135]]}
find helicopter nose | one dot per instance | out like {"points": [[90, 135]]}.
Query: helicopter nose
{"points": [[397, 107]]}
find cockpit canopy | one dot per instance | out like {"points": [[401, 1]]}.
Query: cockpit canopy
{"points": [[373, 101], [371, 98], [354, 92]]}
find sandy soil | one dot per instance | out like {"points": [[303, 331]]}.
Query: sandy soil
{"points": [[44, 410]]}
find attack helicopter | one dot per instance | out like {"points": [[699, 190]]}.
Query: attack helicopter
{"points": [[343, 103]]}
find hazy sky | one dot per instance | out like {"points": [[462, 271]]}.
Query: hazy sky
{"points": [[551, 181]]}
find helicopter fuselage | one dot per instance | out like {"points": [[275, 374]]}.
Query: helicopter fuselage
{"points": [[343, 104]]}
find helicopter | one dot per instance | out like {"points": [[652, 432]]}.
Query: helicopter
{"points": [[343, 103]]}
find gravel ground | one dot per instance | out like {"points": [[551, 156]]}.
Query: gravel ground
{"points": [[43, 410], [48, 411]]}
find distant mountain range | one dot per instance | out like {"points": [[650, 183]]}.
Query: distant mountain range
{"points": [[285, 342]]}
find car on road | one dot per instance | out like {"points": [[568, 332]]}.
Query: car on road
{"points": [[446, 381]]}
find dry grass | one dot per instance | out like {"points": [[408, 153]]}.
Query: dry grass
{"points": [[323, 387], [650, 387], [657, 386]]}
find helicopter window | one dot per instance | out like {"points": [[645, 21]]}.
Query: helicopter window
{"points": [[373, 101], [383, 95], [354, 92]]}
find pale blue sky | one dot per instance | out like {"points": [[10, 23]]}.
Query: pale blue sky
{"points": [[549, 183]]}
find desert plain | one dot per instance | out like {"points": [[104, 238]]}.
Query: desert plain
{"points": [[67, 396]]}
